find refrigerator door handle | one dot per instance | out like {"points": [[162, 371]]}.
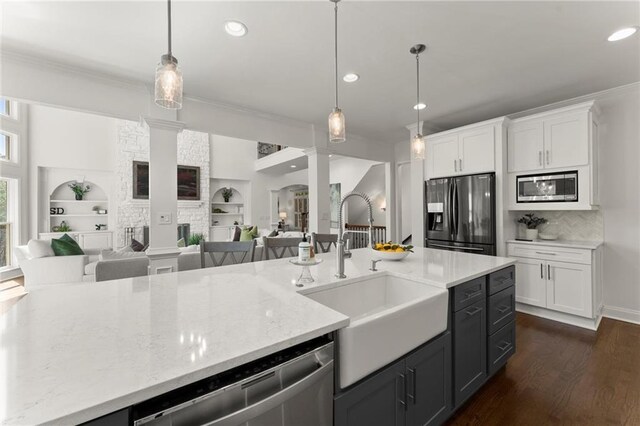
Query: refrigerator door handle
{"points": [[455, 209]]}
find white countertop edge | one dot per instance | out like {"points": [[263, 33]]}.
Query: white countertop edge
{"points": [[124, 401], [592, 245]]}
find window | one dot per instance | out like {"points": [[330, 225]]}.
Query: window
{"points": [[5, 225], [5, 147], [5, 107]]}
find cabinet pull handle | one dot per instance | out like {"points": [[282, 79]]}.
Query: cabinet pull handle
{"points": [[455, 165], [504, 346], [548, 253], [547, 157], [460, 161], [540, 158], [412, 395], [503, 309], [472, 294], [473, 312], [548, 271], [541, 271], [403, 392]]}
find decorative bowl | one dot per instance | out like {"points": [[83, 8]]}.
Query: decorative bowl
{"points": [[389, 255], [544, 236]]}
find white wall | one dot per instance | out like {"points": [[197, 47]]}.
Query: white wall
{"points": [[233, 159], [620, 199], [69, 140]]}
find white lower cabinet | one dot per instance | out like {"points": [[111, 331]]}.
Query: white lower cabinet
{"points": [[569, 288], [559, 279], [86, 239], [532, 287]]}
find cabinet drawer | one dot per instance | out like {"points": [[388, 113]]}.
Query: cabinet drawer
{"points": [[468, 293], [501, 346], [502, 279], [502, 309], [559, 254]]}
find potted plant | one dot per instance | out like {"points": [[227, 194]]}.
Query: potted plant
{"points": [[531, 221], [194, 239], [79, 188], [227, 193]]}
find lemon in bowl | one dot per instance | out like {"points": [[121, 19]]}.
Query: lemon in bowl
{"points": [[391, 251]]}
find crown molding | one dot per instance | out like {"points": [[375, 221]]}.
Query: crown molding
{"points": [[159, 123]]}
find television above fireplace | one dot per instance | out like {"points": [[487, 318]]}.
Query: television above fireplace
{"points": [[188, 181]]}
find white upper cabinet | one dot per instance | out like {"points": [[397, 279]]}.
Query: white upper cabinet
{"points": [[566, 141], [476, 148], [525, 146], [552, 140], [443, 155], [463, 151]]}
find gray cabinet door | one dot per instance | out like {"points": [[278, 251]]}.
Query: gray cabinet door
{"points": [[429, 383], [378, 400], [469, 350]]}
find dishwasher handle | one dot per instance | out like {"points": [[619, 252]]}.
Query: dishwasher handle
{"points": [[252, 411]]}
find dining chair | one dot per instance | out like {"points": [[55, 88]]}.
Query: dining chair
{"points": [[322, 242], [219, 251], [280, 247]]}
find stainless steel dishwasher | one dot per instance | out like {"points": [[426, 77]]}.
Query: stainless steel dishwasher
{"points": [[292, 387]]}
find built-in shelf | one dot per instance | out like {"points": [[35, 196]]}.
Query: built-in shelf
{"points": [[227, 214], [80, 201], [226, 204], [79, 215]]}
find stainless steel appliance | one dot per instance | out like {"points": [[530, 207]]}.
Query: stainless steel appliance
{"points": [[545, 188], [461, 213], [292, 387]]}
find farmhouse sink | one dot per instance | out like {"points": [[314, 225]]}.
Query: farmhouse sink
{"points": [[390, 316]]}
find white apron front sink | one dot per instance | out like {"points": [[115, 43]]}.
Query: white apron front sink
{"points": [[390, 316]]}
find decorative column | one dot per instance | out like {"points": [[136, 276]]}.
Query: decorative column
{"points": [[390, 198], [273, 206], [163, 194], [319, 201], [417, 192]]}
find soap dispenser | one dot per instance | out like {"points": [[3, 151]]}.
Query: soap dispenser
{"points": [[304, 250]]}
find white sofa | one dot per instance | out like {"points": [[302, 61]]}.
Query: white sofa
{"points": [[56, 269]]}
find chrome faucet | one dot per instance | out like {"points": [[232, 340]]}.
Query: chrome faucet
{"points": [[341, 252]]}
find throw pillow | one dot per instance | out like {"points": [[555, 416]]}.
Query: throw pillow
{"points": [[136, 245], [236, 234], [63, 247], [182, 243], [273, 233], [247, 234], [40, 248]]}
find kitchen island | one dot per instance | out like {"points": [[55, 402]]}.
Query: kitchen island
{"points": [[74, 352]]}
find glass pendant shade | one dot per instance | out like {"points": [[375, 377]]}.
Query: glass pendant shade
{"points": [[168, 89], [418, 147], [337, 126]]}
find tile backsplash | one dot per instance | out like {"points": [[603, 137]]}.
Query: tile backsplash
{"points": [[570, 225]]}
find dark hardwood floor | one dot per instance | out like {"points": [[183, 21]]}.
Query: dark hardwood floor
{"points": [[562, 374]]}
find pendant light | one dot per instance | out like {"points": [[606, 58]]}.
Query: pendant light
{"points": [[417, 144], [336, 118], [168, 91]]}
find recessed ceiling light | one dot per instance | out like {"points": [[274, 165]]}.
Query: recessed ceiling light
{"points": [[235, 28], [420, 106], [330, 155], [293, 166], [623, 33], [351, 77]]}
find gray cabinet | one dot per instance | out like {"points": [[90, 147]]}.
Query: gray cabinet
{"points": [[378, 399], [469, 350], [416, 390], [429, 383]]}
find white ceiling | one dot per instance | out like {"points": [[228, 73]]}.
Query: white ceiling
{"points": [[484, 59]]}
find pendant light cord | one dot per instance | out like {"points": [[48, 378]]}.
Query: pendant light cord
{"points": [[418, 91], [169, 32], [335, 27]]}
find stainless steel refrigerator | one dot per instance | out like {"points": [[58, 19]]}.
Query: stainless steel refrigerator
{"points": [[461, 213]]}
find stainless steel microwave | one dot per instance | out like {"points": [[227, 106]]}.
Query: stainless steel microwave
{"points": [[547, 188]]}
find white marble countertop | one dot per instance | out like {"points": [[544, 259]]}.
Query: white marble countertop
{"points": [[589, 245], [74, 352]]}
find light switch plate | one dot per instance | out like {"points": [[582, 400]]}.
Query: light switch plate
{"points": [[164, 218]]}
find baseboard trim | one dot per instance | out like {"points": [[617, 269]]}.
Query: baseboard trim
{"points": [[588, 323], [622, 314]]}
